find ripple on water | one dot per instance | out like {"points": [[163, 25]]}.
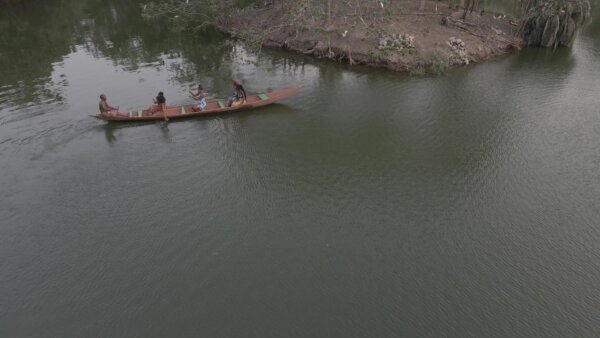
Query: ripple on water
{"points": [[433, 190]]}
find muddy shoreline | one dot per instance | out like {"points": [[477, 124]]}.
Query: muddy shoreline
{"points": [[411, 41]]}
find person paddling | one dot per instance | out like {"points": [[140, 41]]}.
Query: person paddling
{"points": [[160, 105]]}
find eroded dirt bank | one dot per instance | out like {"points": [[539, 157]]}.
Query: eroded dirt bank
{"points": [[401, 39]]}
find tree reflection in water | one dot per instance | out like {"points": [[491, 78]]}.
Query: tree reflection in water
{"points": [[36, 36]]}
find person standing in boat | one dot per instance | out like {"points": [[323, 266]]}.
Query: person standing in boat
{"points": [[239, 95], [105, 108], [160, 106], [199, 96]]}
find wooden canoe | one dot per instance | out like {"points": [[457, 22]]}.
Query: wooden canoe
{"points": [[213, 107]]}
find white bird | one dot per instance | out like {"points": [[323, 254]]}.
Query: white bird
{"points": [[344, 34]]}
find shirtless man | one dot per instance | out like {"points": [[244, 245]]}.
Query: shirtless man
{"points": [[105, 108]]}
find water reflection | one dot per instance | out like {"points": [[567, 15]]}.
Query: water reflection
{"points": [[164, 129], [593, 28], [33, 48], [112, 131], [561, 59], [109, 133]]}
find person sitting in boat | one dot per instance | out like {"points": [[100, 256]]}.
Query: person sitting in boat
{"points": [[105, 108], [199, 96], [239, 95]]}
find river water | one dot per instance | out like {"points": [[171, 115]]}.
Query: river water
{"points": [[370, 204]]}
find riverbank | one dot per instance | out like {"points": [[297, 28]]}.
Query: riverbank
{"points": [[407, 38]]}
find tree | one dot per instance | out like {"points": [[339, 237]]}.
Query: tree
{"points": [[471, 6]]}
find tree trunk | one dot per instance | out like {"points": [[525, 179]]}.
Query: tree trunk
{"points": [[471, 6], [330, 9]]}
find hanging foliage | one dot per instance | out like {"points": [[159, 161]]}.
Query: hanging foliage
{"points": [[554, 23]]}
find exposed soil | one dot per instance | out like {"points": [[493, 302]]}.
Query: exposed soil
{"points": [[355, 38]]}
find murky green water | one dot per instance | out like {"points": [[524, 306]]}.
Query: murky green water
{"points": [[369, 205]]}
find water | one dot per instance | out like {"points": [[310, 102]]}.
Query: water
{"points": [[370, 204]]}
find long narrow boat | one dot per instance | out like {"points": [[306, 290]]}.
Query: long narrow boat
{"points": [[213, 107]]}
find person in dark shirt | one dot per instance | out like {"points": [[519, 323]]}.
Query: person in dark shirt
{"points": [[160, 99], [160, 106]]}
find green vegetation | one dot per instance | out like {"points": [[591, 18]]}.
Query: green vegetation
{"points": [[440, 63], [554, 23]]}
